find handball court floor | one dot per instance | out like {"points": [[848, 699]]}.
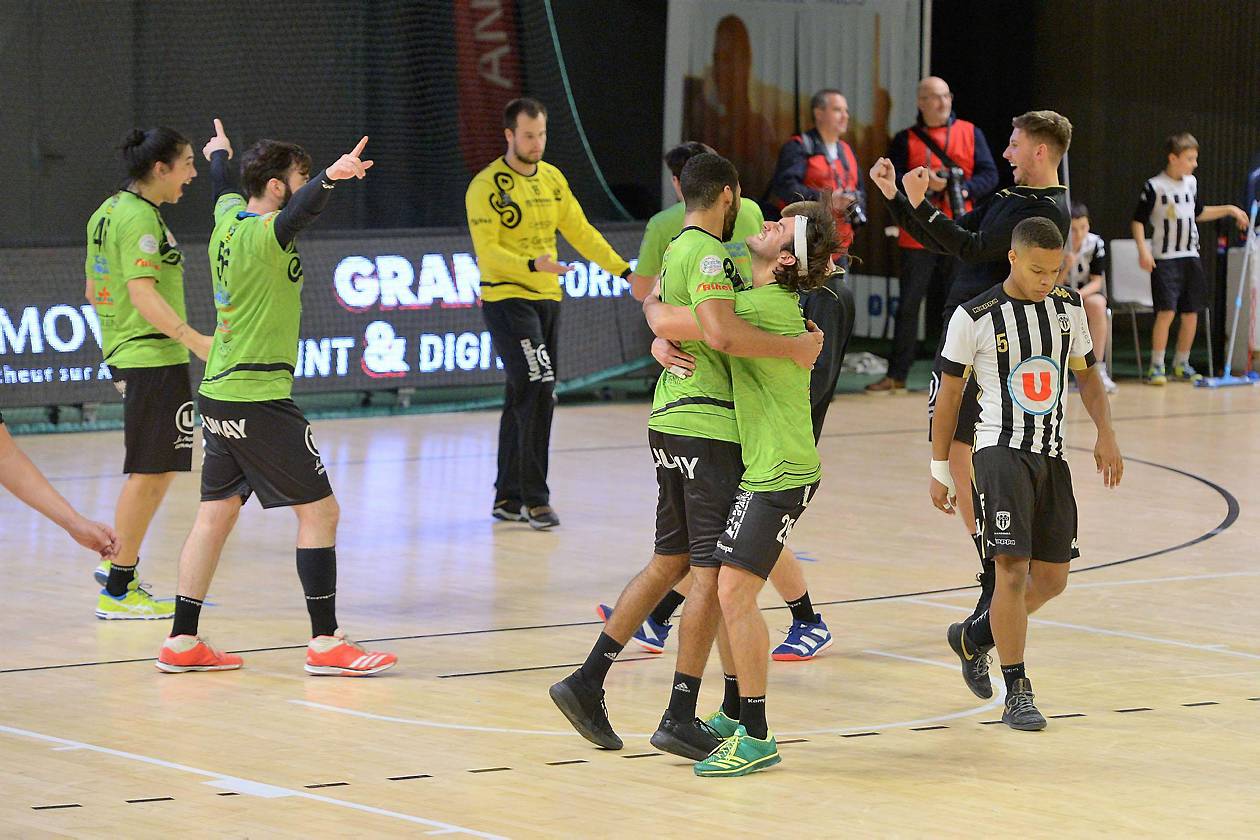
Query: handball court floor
{"points": [[1148, 665]]}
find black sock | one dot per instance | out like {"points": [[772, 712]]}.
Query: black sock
{"points": [[980, 632], [978, 540], [600, 659], [752, 716], [187, 614], [120, 577], [802, 609], [683, 697], [988, 574], [665, 609], [1011, 673], [317, 569], [730, 700]]}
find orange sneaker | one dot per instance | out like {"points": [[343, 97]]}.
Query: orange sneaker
{"points": [[337, 656], [192, 653]]}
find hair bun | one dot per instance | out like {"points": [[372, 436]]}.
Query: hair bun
{"points": [[135, 137]]}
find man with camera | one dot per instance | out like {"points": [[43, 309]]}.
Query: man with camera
{"points": [[961, 172]]}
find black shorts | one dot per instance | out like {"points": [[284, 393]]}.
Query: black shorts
{"points": [[696, 480], [1025, 504], [158, 418], [758, 527], [260, 447], [1179, 285]]}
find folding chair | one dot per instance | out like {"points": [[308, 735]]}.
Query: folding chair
{"points": [[1129, 290]]}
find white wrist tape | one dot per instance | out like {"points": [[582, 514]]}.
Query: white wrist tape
{"points": [[940, 471]]}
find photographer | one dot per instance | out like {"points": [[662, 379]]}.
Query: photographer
{"points": [[961, 171], [819, 161]]}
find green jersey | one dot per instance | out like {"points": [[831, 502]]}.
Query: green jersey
{"points": [[697, 268], [665, 225], [127, 240], [258, 298], [772, 409]]}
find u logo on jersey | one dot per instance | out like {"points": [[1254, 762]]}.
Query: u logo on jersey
{"points": [[1034, 384]]}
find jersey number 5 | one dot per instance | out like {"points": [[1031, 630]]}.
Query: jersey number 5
{"points": [[1002, 346]]}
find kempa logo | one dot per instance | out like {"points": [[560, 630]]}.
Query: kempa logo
{"points": [[687, 466], [226, 428], [1002, 519]]}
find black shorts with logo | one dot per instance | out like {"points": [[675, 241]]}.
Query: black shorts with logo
{"points": [[758, 527], [260, 447], [158, 418], [696, 479], [1178, 285], [1025, 504]]}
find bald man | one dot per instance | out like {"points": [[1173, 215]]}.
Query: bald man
{"points": [[936, 130]]}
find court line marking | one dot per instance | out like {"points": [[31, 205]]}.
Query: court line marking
{"points": [[240, 785], [997, 701], [620, 447], [1104, 631], [1173, 578], [1231, 516]]}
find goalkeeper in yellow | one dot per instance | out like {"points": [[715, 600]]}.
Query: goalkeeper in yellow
{"points": [[515, 206]]}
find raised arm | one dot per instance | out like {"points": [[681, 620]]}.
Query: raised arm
{"points": [[307, 203]]}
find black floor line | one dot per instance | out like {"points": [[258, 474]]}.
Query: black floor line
{"points": [[1231, 516]]}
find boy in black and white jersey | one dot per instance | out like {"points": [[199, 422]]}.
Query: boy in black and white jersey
{"points": [[1084, 270], [1018, 340], [1171, 205]]}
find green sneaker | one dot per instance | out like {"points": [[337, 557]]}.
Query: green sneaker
{"points": [[1156, 376], [1186, 373], [740, 755], [136, 605], [723, 726], [101, 574]]}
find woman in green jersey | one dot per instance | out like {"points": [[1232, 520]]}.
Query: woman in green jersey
{"points": [[135, 281]]}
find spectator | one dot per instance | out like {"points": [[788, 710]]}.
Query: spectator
{"points": [[1084, 269], [948, 147]]}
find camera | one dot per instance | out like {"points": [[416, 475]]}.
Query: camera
{"points": [[954, 177], [855, 215]]}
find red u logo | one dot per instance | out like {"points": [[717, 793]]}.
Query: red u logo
{"points": [[1037, 391]]}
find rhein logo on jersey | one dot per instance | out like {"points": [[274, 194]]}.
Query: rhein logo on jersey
{"points": [[1034, 384]]}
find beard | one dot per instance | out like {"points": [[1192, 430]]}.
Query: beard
{"points": [[527, 158], [728, 223]]}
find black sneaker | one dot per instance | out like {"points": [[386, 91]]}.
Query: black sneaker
{"points": [[691, 739], [1020, 713], [585, 709], [508, 511], [975, 664], [541, 518]]}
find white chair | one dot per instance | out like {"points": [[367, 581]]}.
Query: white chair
{"points": [[1129, 290]]}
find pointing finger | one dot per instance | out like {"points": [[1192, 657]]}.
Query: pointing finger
{"points": [[218, 127], [358, 150]]}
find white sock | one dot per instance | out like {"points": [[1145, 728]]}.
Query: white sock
{"points": [[1181, 359], [1157, 361], [1102, 368]]}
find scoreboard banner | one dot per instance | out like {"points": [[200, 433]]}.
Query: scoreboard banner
{"points": [[383, 310]]}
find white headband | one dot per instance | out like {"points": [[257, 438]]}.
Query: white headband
{"points": [[799, 247]]}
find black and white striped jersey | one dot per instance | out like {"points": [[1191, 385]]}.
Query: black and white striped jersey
{"points": [[1170, 208], [1085, 263], [1019, 352]]}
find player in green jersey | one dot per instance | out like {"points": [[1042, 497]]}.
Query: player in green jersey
{"points": [[256, 439], [135, 282], [694, 440], [809, 634]]}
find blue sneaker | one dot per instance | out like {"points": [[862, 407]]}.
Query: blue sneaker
{"points": [[651, 636], [804, 641]]}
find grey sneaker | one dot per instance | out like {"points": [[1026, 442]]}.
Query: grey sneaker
{"points": [[1020, 713], [541, 518], [975, 663]]}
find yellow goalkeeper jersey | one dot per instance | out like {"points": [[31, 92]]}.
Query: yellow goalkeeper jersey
{"points": [[513, 219]]}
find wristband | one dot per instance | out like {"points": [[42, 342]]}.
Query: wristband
{"points": [[940, 471], [625, 275], [531, 266]]}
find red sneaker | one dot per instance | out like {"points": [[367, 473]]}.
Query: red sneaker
{"points": [[192, 653], [337, 656]]}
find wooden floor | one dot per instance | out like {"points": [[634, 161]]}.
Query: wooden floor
{"points": [[1149, 664]]}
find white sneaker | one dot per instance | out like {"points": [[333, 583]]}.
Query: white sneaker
{"points": [[1110, 386]]}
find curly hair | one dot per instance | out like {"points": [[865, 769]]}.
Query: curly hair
{"points": [[821, 243]]}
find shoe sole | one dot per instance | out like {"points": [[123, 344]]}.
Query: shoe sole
{"points": [[1025, 727], [168, 668], [797, 657], [752, 767], [965, 662], [542, 526], [666, 742], [100, 577], [104, 616], [334, 671], [506, 517], [603, 616], [648, 646], [566, 701]]}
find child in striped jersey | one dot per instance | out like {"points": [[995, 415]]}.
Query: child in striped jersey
{"points": [[1084, 270], [1170, 203]]}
